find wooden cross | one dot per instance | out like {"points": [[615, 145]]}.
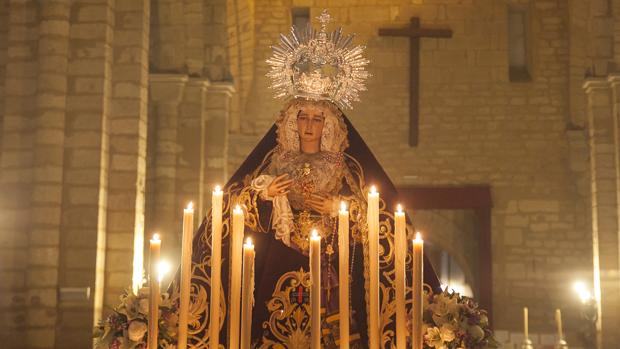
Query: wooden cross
{"points": [[415, 32]]}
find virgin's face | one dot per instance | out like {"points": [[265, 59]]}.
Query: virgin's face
{"points": [[310, 122]]}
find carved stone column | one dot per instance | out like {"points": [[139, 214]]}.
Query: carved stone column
{"points": [[166, 93], [128, 136], [47, 186], [219, 97], [191, 140]]}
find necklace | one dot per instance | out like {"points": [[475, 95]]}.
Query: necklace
{"points": [[329, 251]]}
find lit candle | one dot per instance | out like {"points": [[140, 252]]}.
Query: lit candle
{"points": [[315, 290], [558, 321], [247, 294], [526, 327], [155, 248], [418, 274], [400, 255], [343, 275], [373, 254], [163, 268], [216, 267], [186, 274], [236, 251]]}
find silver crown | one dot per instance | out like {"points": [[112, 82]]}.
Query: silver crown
{"points": [[318, 65]]}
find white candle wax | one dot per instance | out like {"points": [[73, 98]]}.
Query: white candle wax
{"points": [[526, 329], [418, 285], [216, 267], [154, 249], [400, 255], [558, 320], [343, 275], [315, 290], [247, 294], [236, 251], [374, 325], [186, 274]]}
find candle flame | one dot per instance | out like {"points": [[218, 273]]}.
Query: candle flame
{"points": [[190, 206], [163, 267], [399, 208], [248, 242], [343, 206], [237, 208], [315, 234], [582, 291], [217, 189], [579, 286], [373, 189], [418, 236], [155, 237]]}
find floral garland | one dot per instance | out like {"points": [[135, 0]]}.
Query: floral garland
{"points": [[452, 321], [126, 327]]}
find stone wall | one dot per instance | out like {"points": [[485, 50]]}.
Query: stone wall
{"points": [[188, 113], [114, 114], [76, 118], [525, 139], [26, 286]]}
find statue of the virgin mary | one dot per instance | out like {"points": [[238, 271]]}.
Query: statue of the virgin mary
{"points": [[293, 182]]}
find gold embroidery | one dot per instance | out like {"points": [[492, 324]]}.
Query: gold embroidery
{"points": [[289, 320]]}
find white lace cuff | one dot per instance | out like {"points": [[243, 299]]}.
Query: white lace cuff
{"points": [[261, 183], [282, 215]]}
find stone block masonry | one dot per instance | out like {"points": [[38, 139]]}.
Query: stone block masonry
{"points": [[527, 140], [98, 145]]}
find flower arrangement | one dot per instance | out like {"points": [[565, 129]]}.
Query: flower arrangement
{"points": [[126, 327], [452, 321]]}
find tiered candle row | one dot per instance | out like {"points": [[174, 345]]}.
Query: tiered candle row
{"points": [[185, 282], [241, 282], [400, 256], [242, 279], [558, 323]]}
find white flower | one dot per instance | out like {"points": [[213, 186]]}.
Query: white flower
{"points": [[433, 337], [136, 330], [446, 333]]}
